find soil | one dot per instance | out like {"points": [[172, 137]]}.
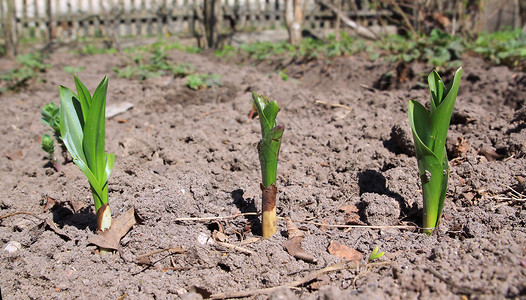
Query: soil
{"points": [[191, 154]]}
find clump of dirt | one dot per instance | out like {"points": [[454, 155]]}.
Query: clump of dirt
{"points": [[191, 154]]}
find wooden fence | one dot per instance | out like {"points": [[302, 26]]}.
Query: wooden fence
{"points": [[73, 19]]}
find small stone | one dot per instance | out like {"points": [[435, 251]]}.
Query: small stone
{"points": [[204, 239], [12, 247]]}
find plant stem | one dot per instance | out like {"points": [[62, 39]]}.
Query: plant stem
{"points": [[268, 149]]}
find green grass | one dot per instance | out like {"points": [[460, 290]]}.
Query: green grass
{"points": [[201, 81], [502, 47], [32, 65]]}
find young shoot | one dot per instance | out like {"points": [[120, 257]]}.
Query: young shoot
{"points": [[268, 149], [48, 145], [82, 128], [429, 129], [375, 255], [50, 116]]}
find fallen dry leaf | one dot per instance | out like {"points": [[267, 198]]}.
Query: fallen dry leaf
{"points": [[293, 230], [468, 196], [353, 218], [461, 147], [219, 236], [491, 155], [293, 244], [293, 247], [348, 209], [324, 226], [77, 205], [111, 238], [48, 202], [344, 252]]}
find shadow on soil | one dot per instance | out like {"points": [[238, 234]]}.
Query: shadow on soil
{"points": [[371, 181], [245, 206]]}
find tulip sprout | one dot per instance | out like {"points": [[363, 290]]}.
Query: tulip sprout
{"points": [[268, 149], [82, 128], [429, 129]]}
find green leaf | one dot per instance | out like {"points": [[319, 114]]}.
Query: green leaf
{"points": [[375, 255], [48, 145], [84, 98], [441, 117], [419, 118], [94, 132], [110, 161], [436, 87], [270, 143], [268, 149], [71, 129], [94, 182], [267, 112]]}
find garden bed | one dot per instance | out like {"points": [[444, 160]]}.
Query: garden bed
{"points": [[183, 153]]}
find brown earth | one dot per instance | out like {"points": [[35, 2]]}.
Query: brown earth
{"points": [[183, 153]]}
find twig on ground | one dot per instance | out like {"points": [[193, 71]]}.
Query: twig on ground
{"points": [[359, 226], [333, 105], [370, 88], [234, 247], [204, 219], [20, 213], [516, 197]]}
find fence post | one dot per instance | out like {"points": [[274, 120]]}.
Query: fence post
{"points": [[211, 11], [49, 21], [293, 17], [9, 27]]}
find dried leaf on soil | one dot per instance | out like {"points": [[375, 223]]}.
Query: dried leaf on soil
{"points": [[461, 147], [349, 209], [353, 218], [344, 252], [110, 238], [77, 205], [490, 154], [48, 202], [293, 244]]}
